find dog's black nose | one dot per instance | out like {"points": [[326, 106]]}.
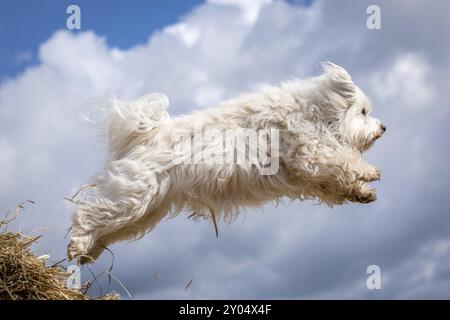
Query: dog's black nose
{"points": [[383, 127]]}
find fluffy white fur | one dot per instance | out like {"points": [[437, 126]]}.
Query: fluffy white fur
{"points": [[324, 126]]}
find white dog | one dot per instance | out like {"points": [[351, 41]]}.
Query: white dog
{"points": [[322, 125]]}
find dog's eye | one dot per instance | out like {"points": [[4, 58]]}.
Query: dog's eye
{"points": [[363, 111]]}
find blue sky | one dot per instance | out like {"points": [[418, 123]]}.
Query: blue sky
{"points": [[203, 53], [25, 24]]}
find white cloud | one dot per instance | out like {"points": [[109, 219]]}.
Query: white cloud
{"points": [[208, 95], [250, 8], [189, 35], [220, 48], [8, 158], [406, 82]]}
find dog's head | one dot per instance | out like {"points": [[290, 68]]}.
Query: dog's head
{"points": [[346, 110]]}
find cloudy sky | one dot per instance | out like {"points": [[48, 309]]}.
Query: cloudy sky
{"points": [[200, 53]]}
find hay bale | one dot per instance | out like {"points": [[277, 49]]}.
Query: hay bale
{"points": [[24, 276]]}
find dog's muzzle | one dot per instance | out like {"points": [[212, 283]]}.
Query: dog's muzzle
{"points": [[380, 132]]}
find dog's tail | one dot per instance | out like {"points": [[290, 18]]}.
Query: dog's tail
{"points": [[131, 121]]}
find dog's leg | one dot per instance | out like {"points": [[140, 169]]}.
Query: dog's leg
{"points": [[354, 172], [129, 231], [351, 173], [127, 201], [363, 194], [338, 171], [366, 172]]}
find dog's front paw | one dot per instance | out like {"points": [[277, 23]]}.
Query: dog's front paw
{"points": [[370, 175], [364, 195]]}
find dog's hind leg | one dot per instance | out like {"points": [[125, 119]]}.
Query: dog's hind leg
{"points": [[128, 200]]}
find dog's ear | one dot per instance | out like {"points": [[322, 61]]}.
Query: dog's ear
{"points": [[339, 81]]}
